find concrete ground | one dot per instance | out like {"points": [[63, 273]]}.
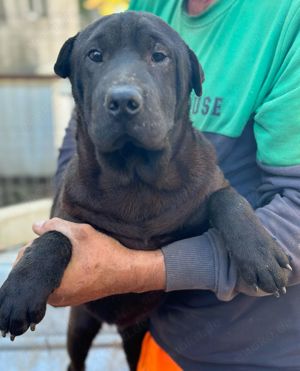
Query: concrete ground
{"points": [[44, 349]]}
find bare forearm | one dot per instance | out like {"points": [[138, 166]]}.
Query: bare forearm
{"points": [[148, 271]]}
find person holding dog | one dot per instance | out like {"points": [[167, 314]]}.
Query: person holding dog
{"points": [[250, 111]]}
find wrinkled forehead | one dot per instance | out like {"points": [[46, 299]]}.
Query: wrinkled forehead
{"points": [[129, 29]]}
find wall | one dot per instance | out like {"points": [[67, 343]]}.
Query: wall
{"points": [[34, 113], [30, 40]]}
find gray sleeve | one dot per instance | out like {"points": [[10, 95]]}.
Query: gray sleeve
{"points": [[203, 263], [67, 150]]}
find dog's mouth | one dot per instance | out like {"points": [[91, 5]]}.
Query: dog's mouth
{"points": [[127, 145], [134, 151], [129, 153], [130, 149]]}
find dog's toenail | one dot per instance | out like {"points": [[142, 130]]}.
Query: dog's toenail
{"points": [[289, 267]]}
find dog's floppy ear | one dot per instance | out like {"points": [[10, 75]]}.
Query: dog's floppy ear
{"points": [[197, 73], [62, 65]]}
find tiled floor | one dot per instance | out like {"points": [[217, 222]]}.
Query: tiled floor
{"points": [[44, 349]]}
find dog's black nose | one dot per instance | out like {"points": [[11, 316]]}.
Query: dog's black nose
{"points": [[123, 99]]}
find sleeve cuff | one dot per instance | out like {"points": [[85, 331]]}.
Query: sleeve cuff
{"points": [[190, 264], [202, 263]]}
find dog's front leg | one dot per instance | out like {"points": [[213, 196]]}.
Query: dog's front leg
{"points": [[24, 294], [260, 260]]}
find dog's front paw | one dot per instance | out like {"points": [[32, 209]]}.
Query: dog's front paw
{"points": [[262, 263], [22, 305]]}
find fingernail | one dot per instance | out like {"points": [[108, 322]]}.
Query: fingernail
{"points": [[39, 223]]}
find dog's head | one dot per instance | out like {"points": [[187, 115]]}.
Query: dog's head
{"points": [[131, 78]]}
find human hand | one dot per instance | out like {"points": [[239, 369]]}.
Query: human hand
{"points": [[100, 266]]}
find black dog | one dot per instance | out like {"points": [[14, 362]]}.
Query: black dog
{"points": [[142, 174]]}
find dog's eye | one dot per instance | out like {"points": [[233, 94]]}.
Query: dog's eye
{"points": [[158, 57], [95, 56]]}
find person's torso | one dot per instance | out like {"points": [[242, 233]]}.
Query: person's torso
{"points": [[240, 44]]}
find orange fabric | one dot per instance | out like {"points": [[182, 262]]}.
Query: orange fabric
{"points": [[154, 358]]}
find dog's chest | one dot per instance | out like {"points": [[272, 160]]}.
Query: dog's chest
{"points": [[139, 218]]}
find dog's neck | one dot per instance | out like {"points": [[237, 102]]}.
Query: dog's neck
{"points": [[166, 170]]}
